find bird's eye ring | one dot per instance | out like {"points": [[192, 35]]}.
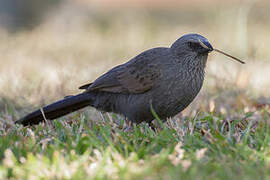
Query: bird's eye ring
{"points": [[193, 45], [190, 44]]}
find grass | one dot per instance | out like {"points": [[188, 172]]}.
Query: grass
{"points": [[203, 147], [223, 134]]}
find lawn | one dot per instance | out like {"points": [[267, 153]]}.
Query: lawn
{"points": [[223, 134], [202, 147]]}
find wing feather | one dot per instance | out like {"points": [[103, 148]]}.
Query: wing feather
{"points": [[136, 76]]}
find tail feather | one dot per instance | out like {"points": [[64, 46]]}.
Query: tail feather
{"points": [[57, 109]]}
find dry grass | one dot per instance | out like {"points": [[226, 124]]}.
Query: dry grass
{"points": [[76, 44], [70, 49]]}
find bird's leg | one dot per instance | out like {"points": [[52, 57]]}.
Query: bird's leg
{"points": [[130, 125], [152, 125], [127, 125], [155, 126]]}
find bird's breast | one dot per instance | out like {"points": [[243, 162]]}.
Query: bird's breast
{"points": [[178, 91]]}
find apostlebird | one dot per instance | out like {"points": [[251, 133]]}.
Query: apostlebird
{"points": [[162, 79]]}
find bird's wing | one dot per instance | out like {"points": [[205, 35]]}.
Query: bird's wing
{"points": [[136, 76], [85, 86]]}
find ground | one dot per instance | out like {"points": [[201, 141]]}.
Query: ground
{"points": [[223, 134]]}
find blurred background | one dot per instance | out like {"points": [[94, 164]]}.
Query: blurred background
{"points": [[49, 48]]}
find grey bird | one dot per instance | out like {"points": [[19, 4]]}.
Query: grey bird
{"points": [[162, 79]]}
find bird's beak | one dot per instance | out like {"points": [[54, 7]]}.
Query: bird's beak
{"points": [[229, 56], [206, 45], [210, 48]]}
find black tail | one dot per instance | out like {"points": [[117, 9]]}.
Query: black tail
{"points": [[57, 109]]}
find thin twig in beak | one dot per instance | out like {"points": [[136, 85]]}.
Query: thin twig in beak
{"points": [[229, 56]]}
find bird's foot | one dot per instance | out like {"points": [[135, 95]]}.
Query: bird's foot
{"points": [[128, 126]]}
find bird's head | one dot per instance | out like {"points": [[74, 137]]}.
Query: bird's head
{"points": [[195, 47]]}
